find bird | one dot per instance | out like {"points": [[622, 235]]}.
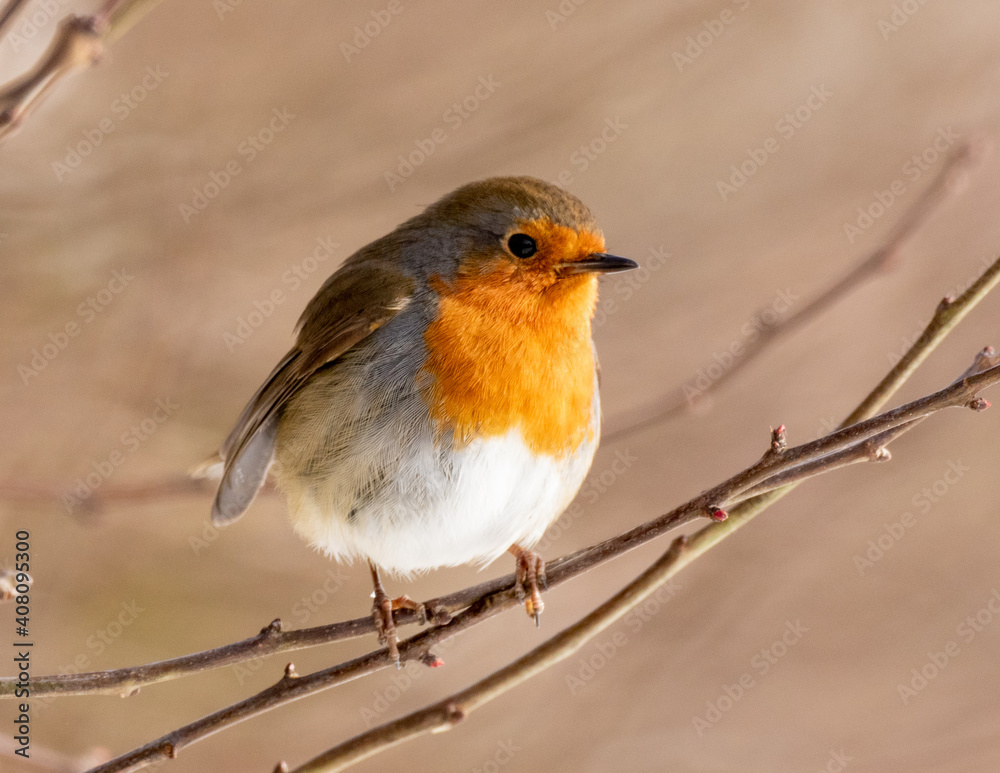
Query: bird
{"points": [[440, 405]]}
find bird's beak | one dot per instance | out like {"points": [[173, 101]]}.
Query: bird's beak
{"points": [[598, 263]]}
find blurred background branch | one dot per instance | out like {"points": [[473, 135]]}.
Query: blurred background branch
{"points": [[9, 13], [688, 395], [864, 440], [79, 43]]}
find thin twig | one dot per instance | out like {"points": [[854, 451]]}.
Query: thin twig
{"points": [[871, 450], [779, 466], [948, 314], [78, 43], [851, 444], [685, 397], [291, 687], [446, 713], [8, 14], [123, 494], [504, 597]]}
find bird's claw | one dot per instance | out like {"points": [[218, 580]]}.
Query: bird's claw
{"points": [[530, 577]]}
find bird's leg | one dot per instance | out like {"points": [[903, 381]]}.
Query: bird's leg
{"points": [[530, 574], [382, 612], [382, 609]]}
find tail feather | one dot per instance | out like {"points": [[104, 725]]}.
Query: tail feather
{"points": [[245, 473]]}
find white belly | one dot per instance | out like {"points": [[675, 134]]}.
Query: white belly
{"points": [[443, 507]]}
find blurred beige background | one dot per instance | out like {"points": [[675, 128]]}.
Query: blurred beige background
{"points": [[676, 93]]}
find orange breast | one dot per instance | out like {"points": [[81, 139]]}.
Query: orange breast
{"points": [[508, 351]]}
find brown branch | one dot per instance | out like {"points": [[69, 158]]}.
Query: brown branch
{"points": [[448, 712], [291, 687], [78, 44], [779, 466], [502, 595], [687, 396], [8, 14], [872, 450], [445, 714], [272, 640], [948, 314]]}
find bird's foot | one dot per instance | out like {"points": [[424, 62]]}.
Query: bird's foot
{"points": [[530, 577], [405, 602], [382, 611], [385, 625]]}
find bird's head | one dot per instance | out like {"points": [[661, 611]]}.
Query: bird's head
{"points": [[526, 233]]}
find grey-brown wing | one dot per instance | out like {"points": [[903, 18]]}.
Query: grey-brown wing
{"points": [[352, 304]]}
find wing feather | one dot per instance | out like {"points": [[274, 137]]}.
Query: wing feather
{"points": [[353, 303]]}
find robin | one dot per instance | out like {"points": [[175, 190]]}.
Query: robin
{"points": [[440, 405]]}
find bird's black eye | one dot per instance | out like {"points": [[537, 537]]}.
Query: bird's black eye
{"points": [[522, 245]]}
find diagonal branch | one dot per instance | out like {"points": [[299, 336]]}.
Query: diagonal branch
{"points": [[9, 13], [445, 714], [273, 640], [962, 392], [778, 467]]}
